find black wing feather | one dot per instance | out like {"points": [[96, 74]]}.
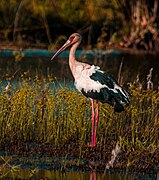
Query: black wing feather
{"points": [[104, 78], [107, 95]]}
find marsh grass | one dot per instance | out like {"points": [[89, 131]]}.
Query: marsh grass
{"points": [[56, 119]]}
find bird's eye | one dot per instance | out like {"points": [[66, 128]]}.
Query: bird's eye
{"points": [[71, 38]]}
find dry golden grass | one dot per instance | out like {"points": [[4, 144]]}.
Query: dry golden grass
{"points": [[60, 118]]}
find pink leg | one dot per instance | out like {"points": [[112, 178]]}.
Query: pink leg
{"points": [[93, 123], [97, 113], [93, 176], [96, 122]]}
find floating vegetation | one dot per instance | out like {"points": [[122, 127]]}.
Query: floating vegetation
{"points": [[45, 117]]}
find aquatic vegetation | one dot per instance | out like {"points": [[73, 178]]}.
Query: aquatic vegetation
{"points": [[7, 169], [55, 119]]}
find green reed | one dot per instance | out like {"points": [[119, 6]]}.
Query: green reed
{"points": [[61, 117]]}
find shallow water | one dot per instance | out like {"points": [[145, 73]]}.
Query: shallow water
{"points": [[131, 65], [39, 166], [66, 175], [44, 167]]}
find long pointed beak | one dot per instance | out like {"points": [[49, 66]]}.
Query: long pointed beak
{"points": [[63, 48]]}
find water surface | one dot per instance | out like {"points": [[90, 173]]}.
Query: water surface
{"points": [[131, 65], [37, 166]]}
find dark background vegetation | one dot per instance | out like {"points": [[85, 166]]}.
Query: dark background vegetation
{"points": [[42, 23]]}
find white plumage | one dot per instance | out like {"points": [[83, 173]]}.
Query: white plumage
{"points": [[86, 83]]}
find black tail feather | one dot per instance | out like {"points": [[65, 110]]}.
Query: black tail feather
{"points": [[118, 108]]}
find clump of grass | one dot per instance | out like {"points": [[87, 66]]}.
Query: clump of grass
{"points": [[58, 120], [41, 115]]}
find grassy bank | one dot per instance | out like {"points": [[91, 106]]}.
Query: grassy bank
{"points": [[57, 121]]}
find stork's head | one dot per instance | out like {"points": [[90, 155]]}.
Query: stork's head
{"points": [[74, 38]]}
